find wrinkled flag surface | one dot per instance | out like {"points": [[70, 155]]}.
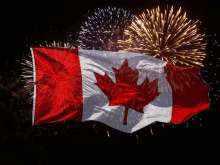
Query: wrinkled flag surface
{"points": [[126, 91]]}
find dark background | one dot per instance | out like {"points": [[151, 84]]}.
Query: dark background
{"points": [[25, 24]]}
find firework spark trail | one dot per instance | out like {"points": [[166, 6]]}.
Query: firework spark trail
{"points": [[27, 75], [169, 37], [151, 131], [103, 28], [57, 44]]}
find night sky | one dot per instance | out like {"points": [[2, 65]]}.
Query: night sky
{"points": [[25, 24]]}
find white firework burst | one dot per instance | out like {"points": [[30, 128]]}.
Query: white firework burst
{"points": [[103, 28]]}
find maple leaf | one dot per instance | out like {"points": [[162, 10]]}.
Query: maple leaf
{"points": [[125, 91]]}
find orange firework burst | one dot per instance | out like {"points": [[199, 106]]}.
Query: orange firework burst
{"points": [[169, 37]]}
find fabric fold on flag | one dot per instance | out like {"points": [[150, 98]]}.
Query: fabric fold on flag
{"points": [[126, 91]]}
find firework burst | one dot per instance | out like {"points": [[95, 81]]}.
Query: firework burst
{"points": [[103, 28], [169, 37]]}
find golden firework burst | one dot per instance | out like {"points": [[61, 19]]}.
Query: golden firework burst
{"points": [[170, 37]]}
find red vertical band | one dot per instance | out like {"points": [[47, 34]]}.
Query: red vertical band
{"points": [[58, 85], [190, 93]]}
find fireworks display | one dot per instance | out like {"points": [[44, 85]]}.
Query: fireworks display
{"points": [[103, 28], [110, 29], [152, 34], [170, 37]]}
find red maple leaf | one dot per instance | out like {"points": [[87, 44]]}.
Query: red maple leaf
{"points": [[125, 91]]}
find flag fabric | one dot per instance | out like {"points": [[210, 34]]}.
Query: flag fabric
{"points": [[126, 91]]}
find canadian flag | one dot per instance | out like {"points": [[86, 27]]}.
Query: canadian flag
{"points": [[126, 91]]}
